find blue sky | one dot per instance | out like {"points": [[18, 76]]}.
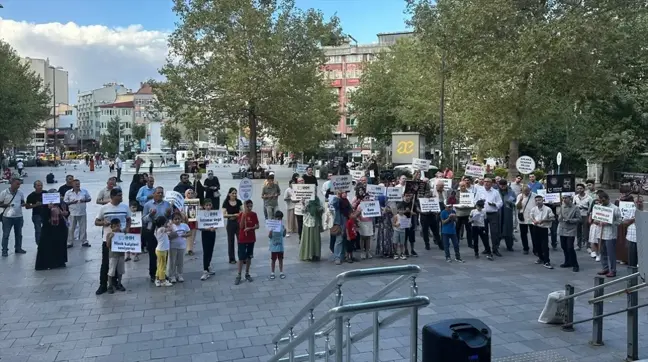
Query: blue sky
{"points": [[363, 19]]}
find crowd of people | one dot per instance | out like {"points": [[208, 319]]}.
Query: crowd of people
{"points": [[496, 211]]}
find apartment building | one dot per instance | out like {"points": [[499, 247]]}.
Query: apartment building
{"points": [[89, 112], [55, 79]]}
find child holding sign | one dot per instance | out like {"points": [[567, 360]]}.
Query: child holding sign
{"points": [[400, 223], [277, 247], [208, 237], [178, 244], [116, 267]]}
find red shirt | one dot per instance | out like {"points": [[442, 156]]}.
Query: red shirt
{"points": [[351, 229], [251, 219]]}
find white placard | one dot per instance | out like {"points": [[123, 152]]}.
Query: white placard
{"points": [[245, 189], [525, 165], [357, 174], [429, 204], [395, 193], [175, 199], [603, 214], [375, 190], [421, 164], [370, 208], [50, 198], [627, 209], [341, 183], [273, 225], [466, 200], [447, 183], [122, 243], [475, 171], [405, 222], [303, 192], [301, 168], [317, 173], [136, 219], [210, 219], [552, 198], [372, 174]]}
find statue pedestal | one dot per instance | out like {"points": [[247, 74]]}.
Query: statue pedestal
{"points": [[155, 154]]}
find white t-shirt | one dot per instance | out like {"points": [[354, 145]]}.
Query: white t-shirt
{"points": [[20, 164], [118, 163], [15, 207], [180, 242], [109, 211], [162, 239]]}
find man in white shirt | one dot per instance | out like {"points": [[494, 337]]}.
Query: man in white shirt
{"points": [[103, 197], [542, 217], [492, 203], [76, 199], [118, 166], [583, 201], [12, 201], [327, 184], [20, 165]]}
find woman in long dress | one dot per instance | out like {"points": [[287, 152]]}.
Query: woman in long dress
{"points": [[52, 246], [311, 241]]}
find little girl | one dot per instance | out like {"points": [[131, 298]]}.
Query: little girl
{"points": [[208, 237], [277, 247], [398, 223], [134, 229], [162, 232], [365, 229], [478, 220], [352, 234], [178, 244]]}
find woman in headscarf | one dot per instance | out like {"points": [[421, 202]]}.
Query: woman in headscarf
{"points": [[190, 237], [311, 241], [52, 247], [299, 211], [138, 181], [342, 210]]}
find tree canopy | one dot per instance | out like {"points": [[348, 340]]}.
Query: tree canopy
{"points": [[255, 62], [110, 139], [171, 135], [24, 101]]}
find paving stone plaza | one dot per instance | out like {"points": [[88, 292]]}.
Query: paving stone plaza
{"points": [[55, 315]]}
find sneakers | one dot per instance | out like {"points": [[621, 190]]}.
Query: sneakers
{"points": [[458, 260], [282, 276], [237, 281], [489, 257], [403, 257], [120, 287], [548, 266], [101, 290], [448, 260], [5, 253], [86, 245], [205, 275], [165, 283], [338, 262], [173, 280], [598, 258], [248, 278], [396, 257], [272, 276], [20, 251], [110, 290], [363, 256], [414, 253], [369, 255], [539, 261], [593, 254], [180, 279]]}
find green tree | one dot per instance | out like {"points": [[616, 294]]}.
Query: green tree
{"points": [[139, 132], [171, 135], [110, 139], [256, 62], [24, 102]]}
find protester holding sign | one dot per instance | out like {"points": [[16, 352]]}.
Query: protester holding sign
{"points": [[52, 251], [35, 203], [178, 245], [208, 237], [631, 235], [310, 248], [152, 209], [116, 264], [411, 212], [449, 233], [232, 207], [609, 229], [342, 210], [463, 208], [277, 246], [542, 217]]}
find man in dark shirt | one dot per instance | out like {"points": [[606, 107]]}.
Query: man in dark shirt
{"points": [[212, 188], [35, 202], [69, 180], [309, 178], [183, 185]]}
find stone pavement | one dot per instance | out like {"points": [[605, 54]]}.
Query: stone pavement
{"points": [[55, 315]]}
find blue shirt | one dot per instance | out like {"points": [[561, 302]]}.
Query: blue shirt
{"points": [[160, 210], [143, 194], [535, 186], [276, 241], [450, 227]]}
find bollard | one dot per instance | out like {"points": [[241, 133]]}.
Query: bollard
{"points": [[633, 318], [597, 310], [568, 318]]}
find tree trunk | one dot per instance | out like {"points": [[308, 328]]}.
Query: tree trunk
{"points": [[514, 154], [252, 123], [606, 175]]}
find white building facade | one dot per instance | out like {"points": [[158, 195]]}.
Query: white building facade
{"points": [[89, 113], [54, 79]]}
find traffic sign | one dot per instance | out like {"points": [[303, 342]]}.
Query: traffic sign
{"points": [[559, 158]]}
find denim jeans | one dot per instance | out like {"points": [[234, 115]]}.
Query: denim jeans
{"points": [[37, 219], [338, 248], [7, 224], [608, 254], [455, 244]]}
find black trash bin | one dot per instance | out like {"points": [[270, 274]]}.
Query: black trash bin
{"points": [[457, 340]]}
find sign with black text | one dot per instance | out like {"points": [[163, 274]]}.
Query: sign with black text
{"points": [[370, 209], [210, 219], [561, 183], [126, 243]]}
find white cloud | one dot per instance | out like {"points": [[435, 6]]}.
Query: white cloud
{"points": [[93, 55]]}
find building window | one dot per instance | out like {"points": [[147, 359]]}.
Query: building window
{"points": [[334, 59], [354, 58]]}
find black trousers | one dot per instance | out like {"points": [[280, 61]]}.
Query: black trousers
{"points": [[151, 244], [103, 271], [208, 242], [494, 228], [554, 234], [232, 236], [480, 232], [567, 245], [463, 223], [542, 243], [632, 253], [119, 175], [430, 222], [300, 224], [524, 235], [215, 203]]}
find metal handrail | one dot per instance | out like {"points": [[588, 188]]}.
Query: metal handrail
{"points": [[607, 284], [402, 270], [350, 310]]}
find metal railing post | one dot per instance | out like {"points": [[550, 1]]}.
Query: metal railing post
{"points": [[568, 318], [633, 318], [327, 347], [597, 310], [348, 340], [339, 328], [291, 355], [311, 338], [414, 323], [376, 337]]}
